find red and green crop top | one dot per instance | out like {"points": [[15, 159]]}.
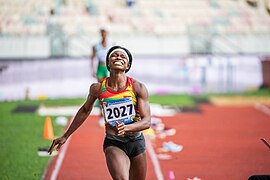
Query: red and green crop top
{"points": [[119, 106]]}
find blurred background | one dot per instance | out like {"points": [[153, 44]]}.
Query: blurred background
{"points": [[179, 46], [181, 49]]}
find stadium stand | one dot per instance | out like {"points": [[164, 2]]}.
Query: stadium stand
{"points": [[237, 20], [211, 45]]}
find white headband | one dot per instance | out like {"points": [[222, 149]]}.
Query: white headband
{"points": [[121, 50]]}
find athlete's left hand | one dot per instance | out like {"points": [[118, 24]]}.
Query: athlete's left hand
{"points": [[120, 127]]}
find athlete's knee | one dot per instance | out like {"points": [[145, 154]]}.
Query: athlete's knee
{"points": [[138, 174], [120, 177]]}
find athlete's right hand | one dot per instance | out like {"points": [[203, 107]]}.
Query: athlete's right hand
{"points": [[120, 127], [57, 142]]}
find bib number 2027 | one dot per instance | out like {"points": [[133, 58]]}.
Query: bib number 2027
{"points": [[122, 112]]}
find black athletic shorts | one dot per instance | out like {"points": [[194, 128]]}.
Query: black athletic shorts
{"points": [[132, 148]]}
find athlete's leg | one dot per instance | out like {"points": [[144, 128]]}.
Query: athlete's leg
{"points": [[102, 73], [138, 167], [100, 79], [101, 121], [118, 163]]}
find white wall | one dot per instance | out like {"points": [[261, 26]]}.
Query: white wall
{"points": [[72, 77], [39, 47]]}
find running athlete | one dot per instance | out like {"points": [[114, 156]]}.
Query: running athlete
{"points": [[99, 51], [124, 102]]}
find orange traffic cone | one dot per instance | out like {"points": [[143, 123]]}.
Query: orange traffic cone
{"points": [[48, 129]]}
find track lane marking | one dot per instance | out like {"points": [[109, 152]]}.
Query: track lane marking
{"points": [[154, 159], [262, 108], [59, 161]]}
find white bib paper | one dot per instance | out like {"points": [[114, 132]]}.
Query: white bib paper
{"points": [[121, 110]]}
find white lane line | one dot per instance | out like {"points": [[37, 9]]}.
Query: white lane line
{"points": [[61, 155], [262, 108], [59, 161], [154, 158]]}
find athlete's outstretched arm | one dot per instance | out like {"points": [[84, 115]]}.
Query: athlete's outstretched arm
{"points": [[144, 110], [79, 118], [84, 111]]}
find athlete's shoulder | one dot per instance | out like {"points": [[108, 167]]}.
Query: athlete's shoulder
{"points": [[139, 87], [94, 89], [135, 81], [97, 46]]}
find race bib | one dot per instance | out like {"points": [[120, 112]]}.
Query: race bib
{"points": [[121, 110]]}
